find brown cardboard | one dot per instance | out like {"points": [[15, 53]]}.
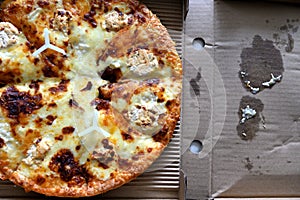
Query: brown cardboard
{"points": [[164, 179], [268, 165]]}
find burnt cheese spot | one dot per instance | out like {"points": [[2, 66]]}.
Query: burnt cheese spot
{"points": [[162, 136], [62, 87], [152, 82], [49, 71], [105, 92], [59, 138], [102, 165], [127, 137], [111, 75], [50, 119], [106, 145], [64, 163], [35, 85], [38, 122], [124, 163], [68, 130], [104, 158], [100, 104], [16, 102], [38, 140], [89, 17], [52, 105], [43, 3], [2, 143], [73, 103], [87, 87], [78, 147]]}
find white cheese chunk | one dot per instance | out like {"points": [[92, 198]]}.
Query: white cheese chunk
{"points": [[61, 20], [115, 21], [37, 151], [247, 113], [8, 34], [142, 62], [145, 111]]}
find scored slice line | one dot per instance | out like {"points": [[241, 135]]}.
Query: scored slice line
{"points": [[47, 45]]}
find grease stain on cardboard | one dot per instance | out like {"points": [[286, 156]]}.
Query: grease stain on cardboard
{"points": [[284, 37], [248, 129], [195, 85], [248, 164], [260, 64]]}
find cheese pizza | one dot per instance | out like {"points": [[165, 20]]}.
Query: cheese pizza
{"points": [[89, 94]]}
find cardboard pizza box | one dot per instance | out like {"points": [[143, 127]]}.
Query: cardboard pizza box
{"points": [[259, 159]]}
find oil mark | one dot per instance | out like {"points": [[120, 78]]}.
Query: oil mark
{"points": [[290, 44], [248, 164], [283, 38], [250, 117], [195, 85], [260, 64]]}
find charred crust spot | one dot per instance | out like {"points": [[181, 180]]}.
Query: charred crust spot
{"points": [[171, 103], [87, 87], [127, 137], [62, 87], [2, 143], [111, 75], [68, 130], [35, 85], [78, 147], [100, 104], [106, 145], [149, 150], [16, 102], [59, 138], [141, 18], [50, 119], [64, 163], [112, 175], [40, 180]]}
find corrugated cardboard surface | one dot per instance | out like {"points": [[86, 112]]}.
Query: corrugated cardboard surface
{"points": [[269, 164], [162, 180]]}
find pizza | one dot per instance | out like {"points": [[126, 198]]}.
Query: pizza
{"points": [[89, 94]]}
